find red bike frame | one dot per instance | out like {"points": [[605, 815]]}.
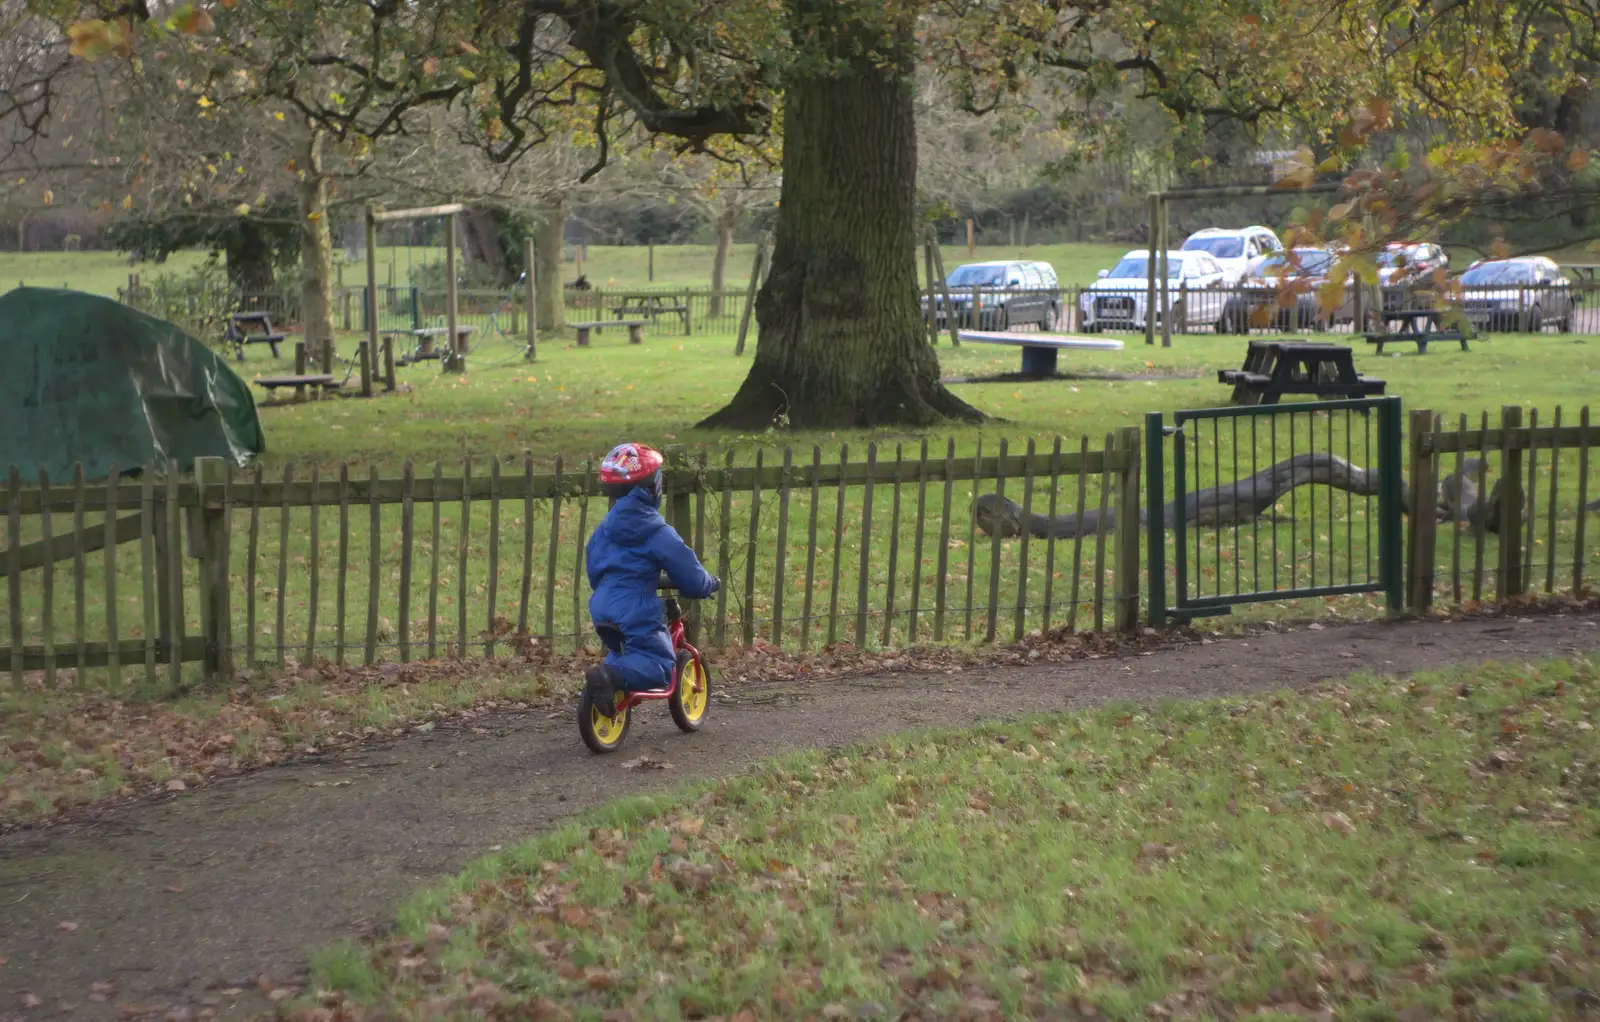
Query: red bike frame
{"points": [[680, 643]]}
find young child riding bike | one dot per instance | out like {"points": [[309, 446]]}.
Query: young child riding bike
{"points": [[626, 556]]}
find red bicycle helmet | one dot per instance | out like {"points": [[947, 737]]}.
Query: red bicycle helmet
{"points": [[629, 466]]}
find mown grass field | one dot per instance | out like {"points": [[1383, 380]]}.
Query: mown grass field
{"points": [[1382, 848]]}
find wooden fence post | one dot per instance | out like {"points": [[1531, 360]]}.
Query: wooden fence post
{"points": [[300, 368], [389, 383], [211, 540], [364, 359], [681, 511], [688, 314], [1508, 575], [1421, 529], [1125, 618]]}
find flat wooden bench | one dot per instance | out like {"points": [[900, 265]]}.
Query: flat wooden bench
{"points": [[1040, 351], [1421, 338], [238, 336], [635, 329], [299, 383]]}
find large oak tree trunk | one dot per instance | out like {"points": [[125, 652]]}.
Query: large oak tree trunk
{"points": [[842, 342], [250, 258], [550, 302], [316, 255]]}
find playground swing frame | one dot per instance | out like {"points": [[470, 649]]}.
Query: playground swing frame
{"points": [[454, 358]]}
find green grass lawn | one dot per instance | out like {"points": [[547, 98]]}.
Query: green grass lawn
{"points": [[1378, 849]]}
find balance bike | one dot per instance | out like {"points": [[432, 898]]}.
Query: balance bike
{"points": [[688, 696]]}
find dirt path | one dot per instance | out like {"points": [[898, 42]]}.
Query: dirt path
{"points": [[174, 902]]}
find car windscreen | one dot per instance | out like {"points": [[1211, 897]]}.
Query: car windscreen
{"points": [[1498, 273], [1136, 267], [1313, 263], [977, 276], [1222, 248]]}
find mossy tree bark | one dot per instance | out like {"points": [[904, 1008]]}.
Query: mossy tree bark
{"points": [[547, 249], [719, 262], [316, 253], [842, 342]]}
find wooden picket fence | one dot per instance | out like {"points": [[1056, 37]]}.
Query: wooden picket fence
{"points": [[234, 570], [1528, 538]]}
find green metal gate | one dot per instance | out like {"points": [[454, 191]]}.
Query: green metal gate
{"points": [[1274, 502]]}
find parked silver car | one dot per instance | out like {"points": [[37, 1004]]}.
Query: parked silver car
{"points": [[1517, 294]]}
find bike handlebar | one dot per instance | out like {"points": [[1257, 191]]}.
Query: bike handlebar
{"points": [[664, 582]]}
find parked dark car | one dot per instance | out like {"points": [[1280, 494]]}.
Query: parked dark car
{"points": [[1280, 290], [1517, 294], [1009, 294]]}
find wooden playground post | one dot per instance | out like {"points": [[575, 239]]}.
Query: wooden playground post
{"points": [[533, 301], [300, 368], [455, 360], [388, 365], [944, 288], [372, 274], [364, 359], [971, 245]]}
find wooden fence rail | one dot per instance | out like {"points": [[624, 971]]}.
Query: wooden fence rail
{"points": [[236, 569]]}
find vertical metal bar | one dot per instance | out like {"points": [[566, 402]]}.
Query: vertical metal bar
{"points": [[811, 547], [972, 536], [552, 561], [1333, 542], [916, 561], [1578, 551], [894, 546], [780, 577], [1101, 524], [1050, 540], [374, 558], [1272, 423], [1390, 506], [942, 566], [1294, 511], [724, 568], [1349, 512], [1255, 520], [747, 612], [1019, 622], [408, 518], [838, 545], [1550, 506], [1180, 516], [433, 564], [490, 629], [113, 644], [285, 511], [1311, 497], [992, 611], [1236, 572], [863, 576], [1155, 530]]}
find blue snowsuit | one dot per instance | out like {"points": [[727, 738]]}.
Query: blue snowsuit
{"points": [[625, 557]]}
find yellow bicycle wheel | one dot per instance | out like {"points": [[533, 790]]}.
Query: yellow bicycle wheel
{"points": [[692, 698], [601, 733]]}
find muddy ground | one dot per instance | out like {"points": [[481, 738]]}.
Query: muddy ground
{"points": [[176, 907]]}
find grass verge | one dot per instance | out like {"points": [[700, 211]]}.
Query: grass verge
{"points": [[1404, 849]]}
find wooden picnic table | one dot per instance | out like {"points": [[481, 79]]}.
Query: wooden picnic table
{"points": [[1040, 350], [652, 305], [1421, 326], [1274, 368], [238, 336]]}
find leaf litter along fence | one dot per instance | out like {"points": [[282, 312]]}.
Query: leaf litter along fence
{"points": [[233, 570]]}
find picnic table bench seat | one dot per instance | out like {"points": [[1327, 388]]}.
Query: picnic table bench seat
{"points": [[299, 383], [635, 329], [238, 336], [1040, 351], [1274, 368]]}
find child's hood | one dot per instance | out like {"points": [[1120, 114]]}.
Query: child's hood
{"points": [[634, 519]]}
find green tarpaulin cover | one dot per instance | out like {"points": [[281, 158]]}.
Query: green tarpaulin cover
{"points": [[85, 379]]}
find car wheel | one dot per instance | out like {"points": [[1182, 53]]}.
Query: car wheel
{"points": [[1535, 320], [1052, 319], [1002, 320]]}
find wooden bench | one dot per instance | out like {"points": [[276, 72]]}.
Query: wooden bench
{"points": [[239, 335], [1274, 368], [425, 348], [635, 329], [652, 306], [299, 383], [1040, 351]]}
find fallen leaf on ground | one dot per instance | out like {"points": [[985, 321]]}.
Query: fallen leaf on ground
{"points": [[30, 1000], [1338, 821], [646, 763], [67, 925], [176, 785]]}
